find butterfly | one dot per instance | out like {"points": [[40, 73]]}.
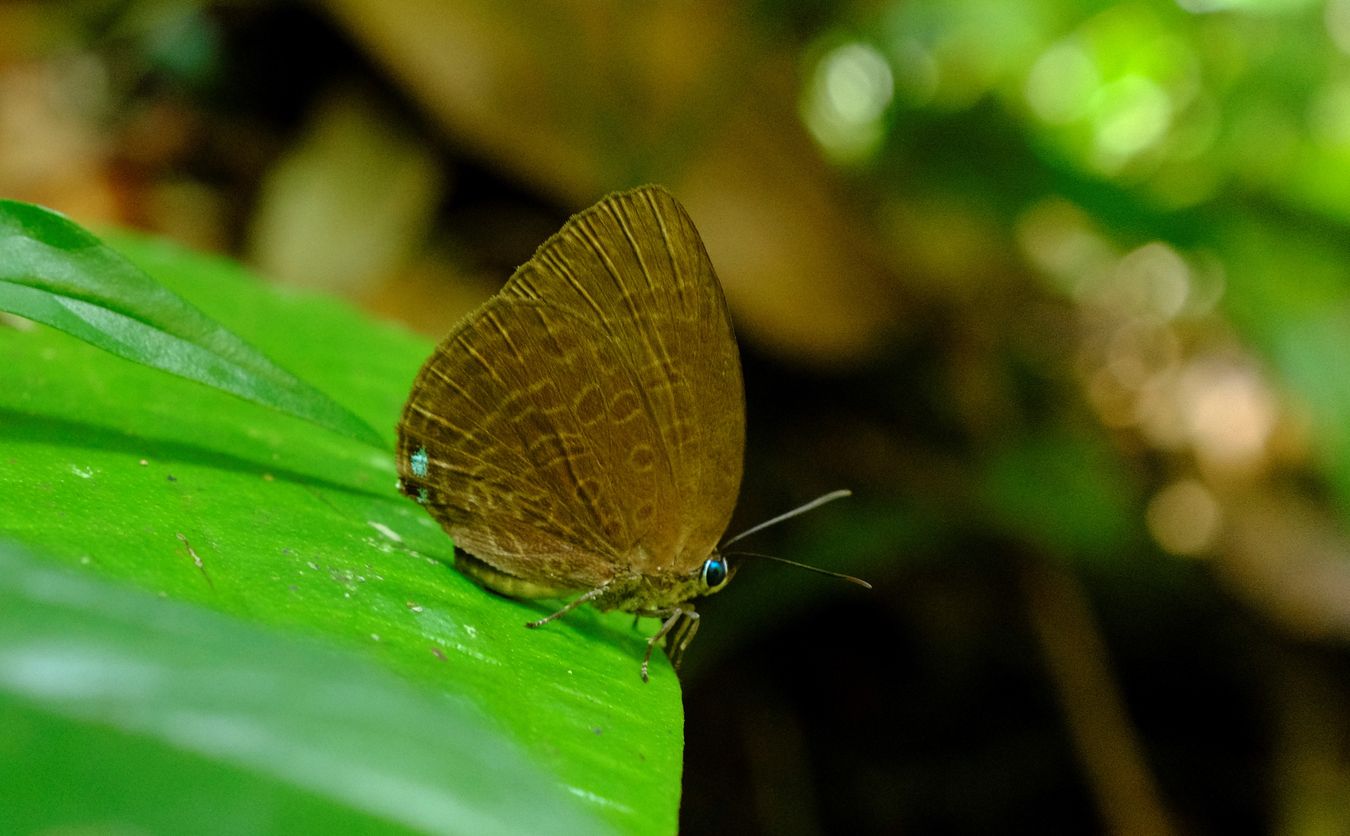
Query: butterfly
{"points": [[581, 434]]}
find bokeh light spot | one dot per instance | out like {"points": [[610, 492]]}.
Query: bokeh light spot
{"points": [[1156, 280], [1131, 115], [1184, 518], [1336, 16], [1061, 82], [1229, 412], [846, 100], [1329, 115]]}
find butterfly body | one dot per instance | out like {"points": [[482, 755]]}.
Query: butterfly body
{"points": [[582, 433], [627, 590]]}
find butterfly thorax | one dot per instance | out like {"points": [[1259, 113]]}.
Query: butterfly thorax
{"points": [[649, 593]]}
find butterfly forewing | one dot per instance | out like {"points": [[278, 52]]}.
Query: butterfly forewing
{"points": [[590, 417]]}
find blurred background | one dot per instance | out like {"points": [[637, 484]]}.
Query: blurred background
{"points": [[1059, 288]]}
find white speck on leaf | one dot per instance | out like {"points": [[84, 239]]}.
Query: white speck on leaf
{"points": [[385, 530]]}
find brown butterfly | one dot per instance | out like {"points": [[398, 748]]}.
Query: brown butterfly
{"points": [[581, 434]]}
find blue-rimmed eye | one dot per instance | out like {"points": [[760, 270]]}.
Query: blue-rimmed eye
{"points": [[715, 573]]}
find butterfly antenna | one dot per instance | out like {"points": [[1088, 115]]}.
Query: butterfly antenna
{"points": [[800, 509], [819, 571]]}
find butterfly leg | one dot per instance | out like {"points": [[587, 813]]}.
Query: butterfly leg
{"points": [[571, 605], [678, 629], [681, 637]]}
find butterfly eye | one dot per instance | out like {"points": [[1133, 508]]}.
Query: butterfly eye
{"points": [[715, 573]]}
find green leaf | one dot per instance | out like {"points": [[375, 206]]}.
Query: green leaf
{"points": [[121, 471], [54, 272], [200, 722]]}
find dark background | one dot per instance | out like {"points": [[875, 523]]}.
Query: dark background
{"points": [[1058, 289]]}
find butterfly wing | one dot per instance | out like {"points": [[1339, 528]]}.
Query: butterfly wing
{"points": [[590, 417]]}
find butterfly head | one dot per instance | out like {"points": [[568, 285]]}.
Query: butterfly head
{"points": [[714, 574], [668, 588]]}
